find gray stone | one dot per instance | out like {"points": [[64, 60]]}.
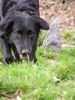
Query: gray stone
{"points": [[52, 40]]}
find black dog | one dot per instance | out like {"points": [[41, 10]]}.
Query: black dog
{"points": [[20, 28]]}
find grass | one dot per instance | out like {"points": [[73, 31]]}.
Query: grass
{"points": [[51, 78], [41, 37], [69, 35]]}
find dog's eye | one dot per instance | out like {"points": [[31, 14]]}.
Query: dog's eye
{"points": [[20, 32], [32, 36], [29, 32], [19, 35]]}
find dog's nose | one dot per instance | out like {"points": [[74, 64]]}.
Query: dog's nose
{"points": [[25, 51], [25, 54]]}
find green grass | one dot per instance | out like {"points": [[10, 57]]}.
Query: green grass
{"points": [[41, 37], [69, 35], [39, 81]]}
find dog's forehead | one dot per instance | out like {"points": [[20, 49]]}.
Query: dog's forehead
{"points": [[25, 21], [26, 18], [22, 15]]}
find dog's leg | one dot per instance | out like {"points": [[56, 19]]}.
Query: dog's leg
{"points": [[17, 58], [7, 50]]}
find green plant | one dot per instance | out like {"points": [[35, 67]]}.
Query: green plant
{"points": [[41, 37]]}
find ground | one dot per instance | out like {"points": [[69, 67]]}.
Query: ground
{"points": [[51, 9], [51, 78]]}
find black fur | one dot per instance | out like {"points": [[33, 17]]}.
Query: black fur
{"points": [[20, 27]]}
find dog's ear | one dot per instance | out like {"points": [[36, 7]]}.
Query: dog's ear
{"points": [[4, 24], [42, 23]]}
